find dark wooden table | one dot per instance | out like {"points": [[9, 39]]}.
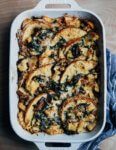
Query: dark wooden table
{"points": [[9, 9]]}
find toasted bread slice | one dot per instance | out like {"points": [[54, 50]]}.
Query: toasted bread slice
{"points": [[28, 29], [23, 94], [22, 79], [46, 58], [31, 85], [21, 119], [68, 33], [72, 21], [48, 19], [73, 101], [26, 22], [75, 108], [63, 52], [27, 64], [54, 129], [22, 66], [30, 110], [77, 67]]}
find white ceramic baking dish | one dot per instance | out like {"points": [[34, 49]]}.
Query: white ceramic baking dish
{"points": [[41, 139]]}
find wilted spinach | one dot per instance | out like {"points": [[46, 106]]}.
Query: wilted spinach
{"points": [[35, 45], [44, 33], [38, 79], [57, 87], [81, 90], [74, 80], [59, 44], [75, 50]]}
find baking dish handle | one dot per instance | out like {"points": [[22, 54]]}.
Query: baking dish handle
{"points": [[73, 4], [42, 146]]}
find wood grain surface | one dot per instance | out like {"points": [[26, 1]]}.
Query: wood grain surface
{"points": [[9, 9]]}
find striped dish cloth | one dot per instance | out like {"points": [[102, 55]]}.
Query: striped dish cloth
{"points": [[110, 127]]}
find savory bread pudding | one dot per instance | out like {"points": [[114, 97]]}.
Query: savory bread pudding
{"points": [[57, 75]]}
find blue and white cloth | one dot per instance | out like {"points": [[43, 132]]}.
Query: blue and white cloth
{"points": [[110, 127]]}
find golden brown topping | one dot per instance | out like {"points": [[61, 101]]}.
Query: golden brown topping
{"points": [[57, 75]]}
